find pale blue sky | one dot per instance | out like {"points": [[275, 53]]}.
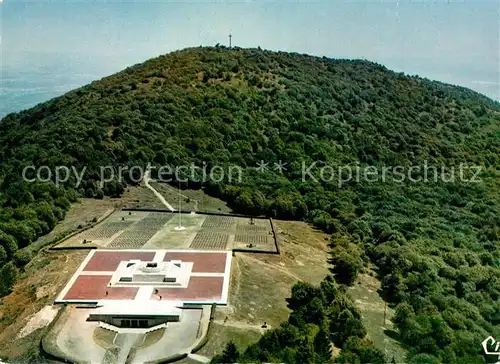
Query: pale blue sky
{"points": [[52, 46]]}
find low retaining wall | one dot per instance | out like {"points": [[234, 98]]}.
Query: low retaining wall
{"points": [[190, 211], [84, 304], [205, 339], [275, 235], [84, 247], [170, 359], [256, 251], [212, 311]]}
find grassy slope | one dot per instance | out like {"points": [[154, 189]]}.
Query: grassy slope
{"points": [[38, 286]]}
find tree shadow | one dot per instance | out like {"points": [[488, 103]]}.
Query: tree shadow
{"points": [[393, 334]]}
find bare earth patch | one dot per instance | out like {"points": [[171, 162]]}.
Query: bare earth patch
{"points": [[41, 319], [43, 279], [191, 200], [372, 308]]}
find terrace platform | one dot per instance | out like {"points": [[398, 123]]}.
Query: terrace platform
{"points": [[187, 276]]}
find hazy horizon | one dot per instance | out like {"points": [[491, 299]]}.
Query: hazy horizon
{"points": [[49, 48]]}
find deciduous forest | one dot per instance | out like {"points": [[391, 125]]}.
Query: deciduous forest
{"points": [[435, 245]]}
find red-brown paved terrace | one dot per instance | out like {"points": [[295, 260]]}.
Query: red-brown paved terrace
{"points": [[104, 261], [202, 262], [204, 289], [94, 288]]}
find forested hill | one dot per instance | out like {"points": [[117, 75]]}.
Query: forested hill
{"points": [[435, 243]]}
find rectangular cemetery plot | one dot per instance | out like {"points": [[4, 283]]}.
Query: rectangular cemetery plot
{"points": [[248, 228], [133, 238], [105, 230], [157, 218], [139, 233], [209, 241], [253, 239], [218, 222]]}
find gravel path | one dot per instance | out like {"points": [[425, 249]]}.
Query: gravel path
{"points": [[147, 178]]}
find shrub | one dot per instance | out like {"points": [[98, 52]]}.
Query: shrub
{"points": [[22, 257]]}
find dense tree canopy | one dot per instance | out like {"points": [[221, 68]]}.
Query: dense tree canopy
{"points": [[435, 242], [321, 316]]}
